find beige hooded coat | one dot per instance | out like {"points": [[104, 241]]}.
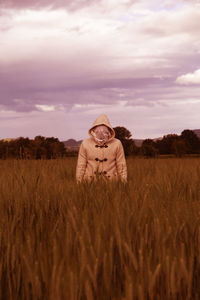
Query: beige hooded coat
{"points": [[105, 160]]}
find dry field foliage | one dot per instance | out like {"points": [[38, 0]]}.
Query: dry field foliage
{"points": [[101, 241]]}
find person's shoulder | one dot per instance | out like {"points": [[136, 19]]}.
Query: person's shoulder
{"points": [[116, 141], [87, 142]]}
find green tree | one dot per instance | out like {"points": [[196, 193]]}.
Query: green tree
{"points": [[179, 147], [165, 146], [148, 148], [191, 140], [39, 148], [2, 150], [124, 135]]}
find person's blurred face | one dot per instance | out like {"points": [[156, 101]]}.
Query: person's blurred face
{"points": [[101, 133]]}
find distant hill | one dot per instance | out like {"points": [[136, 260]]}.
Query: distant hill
{"points": [[197, 132], [138, 142], [72, 143], [9, 139]]}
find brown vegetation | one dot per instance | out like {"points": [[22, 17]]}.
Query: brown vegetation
{"points": [[101, 240]]}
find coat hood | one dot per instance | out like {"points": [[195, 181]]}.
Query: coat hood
{"points": [[103, 120]]}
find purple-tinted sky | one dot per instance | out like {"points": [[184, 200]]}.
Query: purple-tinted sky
{"points": [[62, 63]]}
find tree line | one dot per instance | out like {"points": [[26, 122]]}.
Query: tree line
{"points": [[172, 144], [38, 148], [50, 148]]}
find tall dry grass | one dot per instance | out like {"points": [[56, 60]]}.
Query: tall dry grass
{"points": [[101, 240]]}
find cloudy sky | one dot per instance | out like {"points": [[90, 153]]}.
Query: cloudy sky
{"points": [[64, 62]]}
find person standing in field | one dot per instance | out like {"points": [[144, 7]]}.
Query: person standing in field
{"points": [[101, 155]]}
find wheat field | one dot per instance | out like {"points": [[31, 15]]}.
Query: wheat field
{"points": [[101, 241]]}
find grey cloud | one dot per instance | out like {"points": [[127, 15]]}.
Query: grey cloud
{"points": [[5, 27], [23, 86], [71, 5], [51, 4], [22, 94], [167, 23]]}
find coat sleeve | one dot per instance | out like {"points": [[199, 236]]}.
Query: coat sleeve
{"points": [[81, 163], [121, 163]]}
